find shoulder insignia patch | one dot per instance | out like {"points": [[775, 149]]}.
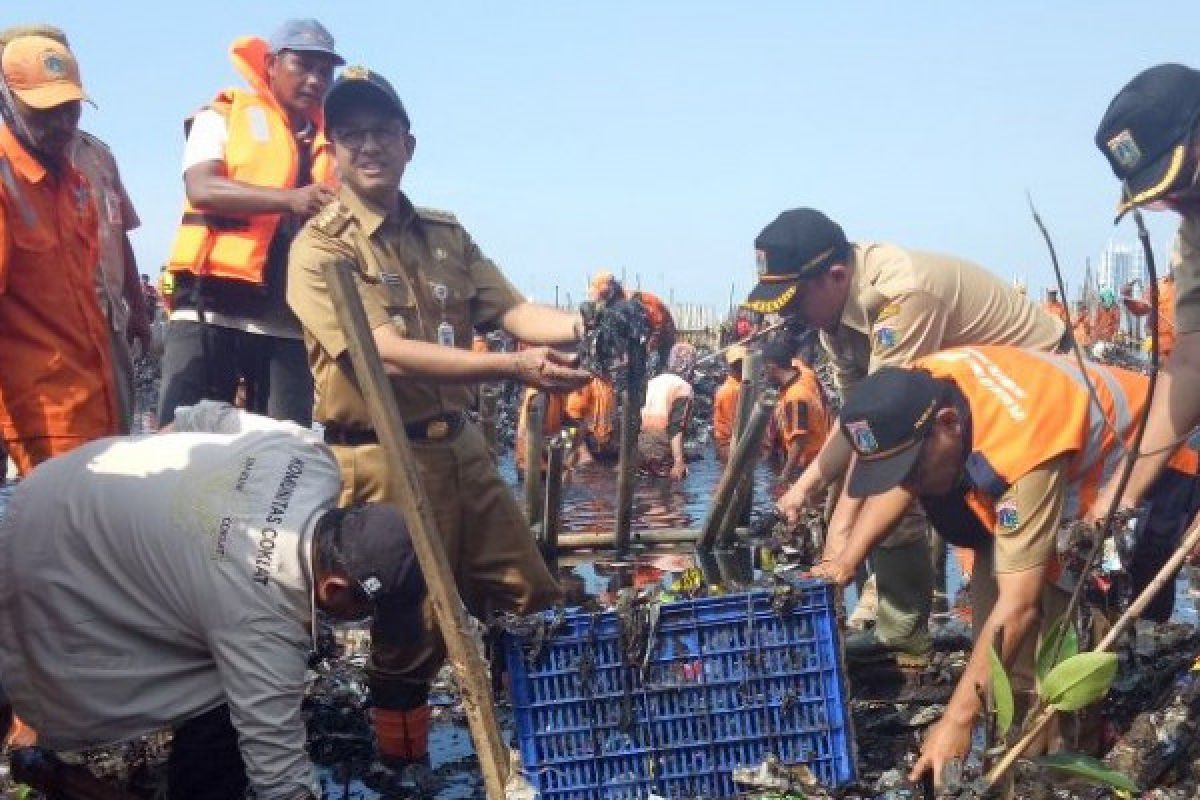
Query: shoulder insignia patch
{"points": [[437, 215], [883, 338], [888, 311], [333, 219], [1007, 516]]}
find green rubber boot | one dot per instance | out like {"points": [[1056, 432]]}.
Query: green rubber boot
{"points": [[904, 581]]}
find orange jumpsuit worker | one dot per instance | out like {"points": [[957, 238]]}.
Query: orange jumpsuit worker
{"points": [[1054, 307], [605, 288], [56, 377], [725, 400], [593, 407], [1081, 325], [801, 417], [1166, 312]]}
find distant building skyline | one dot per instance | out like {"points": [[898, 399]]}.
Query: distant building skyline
{"points": [[1121, 263]]}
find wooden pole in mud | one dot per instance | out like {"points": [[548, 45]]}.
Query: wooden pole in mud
{"points": [[535, 443], [552, 518], [462, 644], [631, 418], [752, 386], [604, 541], [742, 453]]}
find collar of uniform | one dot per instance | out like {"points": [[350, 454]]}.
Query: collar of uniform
{"points": [[22, 160], [854, 314], [372, 216]]}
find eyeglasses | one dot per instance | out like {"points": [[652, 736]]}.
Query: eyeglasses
{"points": [[356, 138]]}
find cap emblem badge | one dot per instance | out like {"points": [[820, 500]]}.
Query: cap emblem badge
{"points": [[760, 262], [372, 585], [54, 65], [356, 73], [1125, 150], [862, 435]]}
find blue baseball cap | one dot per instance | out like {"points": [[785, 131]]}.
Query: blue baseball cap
{"points": [[304, 36]]}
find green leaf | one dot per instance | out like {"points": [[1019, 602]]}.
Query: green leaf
{"points": [[1079, 681], [1002, 694], [1089, 769], [1060, 632]]}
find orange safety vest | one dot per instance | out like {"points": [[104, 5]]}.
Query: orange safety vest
{"points": [[1107, 324], [662, 392], [801, 410], [552, 422], [1029, 407], [595, 406], [261, 151], [725, 403]]}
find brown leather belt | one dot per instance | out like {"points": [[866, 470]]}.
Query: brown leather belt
{"points": [[432, 429]]}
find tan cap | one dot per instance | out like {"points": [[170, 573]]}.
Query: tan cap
{"points": [[41, 72], [735, 353]]}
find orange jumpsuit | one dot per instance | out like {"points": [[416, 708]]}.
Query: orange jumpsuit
{"points": [[56, 384]]}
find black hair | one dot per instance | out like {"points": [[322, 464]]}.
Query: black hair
{"points": [[327, 555], [780, 351]]}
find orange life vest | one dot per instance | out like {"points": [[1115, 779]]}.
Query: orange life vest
{"points": [[725, 403], [1029, 407], [261, 151]]}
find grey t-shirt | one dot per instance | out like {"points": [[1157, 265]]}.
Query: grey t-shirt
{"points": [[145, 580]]}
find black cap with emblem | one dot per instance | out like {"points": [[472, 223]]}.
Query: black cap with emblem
{"points": [[1146, 132], [374, 548], [885, 420], [359, 85], [800, 244]]}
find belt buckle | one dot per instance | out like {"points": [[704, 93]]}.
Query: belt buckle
{"points": [[437, 429]]}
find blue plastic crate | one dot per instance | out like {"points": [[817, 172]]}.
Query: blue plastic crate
{"points": [[727, 681]]}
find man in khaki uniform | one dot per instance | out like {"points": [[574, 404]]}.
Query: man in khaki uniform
{"points": [[425, 285], [1149, 136], [879, 305]]}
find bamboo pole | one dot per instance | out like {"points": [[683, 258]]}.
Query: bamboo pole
{"points": [[535, 442], [1164, 577], [631, 418], [462, 645], [743, 498], [598, 541], [552, 517], [742, 452]]}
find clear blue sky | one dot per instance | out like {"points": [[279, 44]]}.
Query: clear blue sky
{"points": [[659, 137]]}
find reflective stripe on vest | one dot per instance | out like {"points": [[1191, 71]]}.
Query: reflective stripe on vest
{"points": [[1098, 425]]}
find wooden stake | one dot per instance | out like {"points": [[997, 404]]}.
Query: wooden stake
{"points": [[462, 645], [631, 419], [552, 518], [749, 443], [535, 444]]}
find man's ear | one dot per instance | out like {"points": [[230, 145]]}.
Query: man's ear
{"points": [[331, 589], [947, 417]]}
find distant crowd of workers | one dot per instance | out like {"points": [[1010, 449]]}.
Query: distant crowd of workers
{"points": [[173, 580]]}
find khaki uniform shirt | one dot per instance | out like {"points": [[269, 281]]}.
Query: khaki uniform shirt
{"points": [[904, 304], [1187, 275], [415, 269]]}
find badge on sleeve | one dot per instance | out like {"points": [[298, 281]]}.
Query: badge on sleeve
{"points": [[1007, 517], [883, 338]]}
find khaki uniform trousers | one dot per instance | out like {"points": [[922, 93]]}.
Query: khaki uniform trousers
{"points": [[488, 543]]}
